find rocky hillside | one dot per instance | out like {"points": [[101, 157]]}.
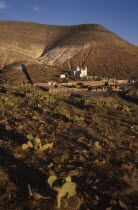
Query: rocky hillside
{"points": [[100, 158], [102, 51]]}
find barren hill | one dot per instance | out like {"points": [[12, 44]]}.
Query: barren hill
{"points": [[65, 47]]}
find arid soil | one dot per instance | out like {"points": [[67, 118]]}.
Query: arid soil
{"points": [[65, 47], [95, 142]]}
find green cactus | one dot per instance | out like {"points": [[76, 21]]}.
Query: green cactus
{"points": [[40, 146], [68, 188], [35, 194], [97, 145], [29, 143], [35, 143], [46, 146], [74, 202], [25, 146], [126, 109], [51, 180], [30, 137], [64, 202]]}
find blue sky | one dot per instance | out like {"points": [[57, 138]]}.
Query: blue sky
{"points": [[119, 16]]}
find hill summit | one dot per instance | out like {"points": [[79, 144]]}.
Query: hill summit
{"points": [[91, 45]]}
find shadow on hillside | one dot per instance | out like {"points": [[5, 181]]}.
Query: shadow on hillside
{"points": [[79, 105], [129, 98], [11, 134], [43, 88], [19, 172], [22, 175]]}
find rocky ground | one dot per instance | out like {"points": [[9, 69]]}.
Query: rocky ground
{"points": [[95, 142]]}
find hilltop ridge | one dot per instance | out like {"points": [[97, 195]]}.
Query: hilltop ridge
{"points": [[65, 47]]}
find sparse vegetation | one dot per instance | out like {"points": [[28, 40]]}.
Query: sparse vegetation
{"points": [[94, 145], [106, 53], [36, 144], [67, 188]]}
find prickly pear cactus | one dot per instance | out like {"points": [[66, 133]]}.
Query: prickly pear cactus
{"points": [[74, 202], [40, 146], [68, 179], [70, 188], [46, 146], [51, 180], [30, 137], [36, 144], [97, 145], [64, 202], [67, 189], [30, 144], [35, 194], [25, 146]]}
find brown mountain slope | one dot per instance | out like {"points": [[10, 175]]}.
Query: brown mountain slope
{"points": [[96, 47], [20, 41], [66, 47]]}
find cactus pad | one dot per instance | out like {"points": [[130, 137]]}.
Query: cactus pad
{"points": [[37, 140], [30, 137], [74, 202], [46, 146], [68, 179], [64, 202], [70, 188], [97, 145], [51, 180], [29, 144], [24, 146]]}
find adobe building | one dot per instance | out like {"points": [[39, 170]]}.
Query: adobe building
{"points": [[79, 72]]}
